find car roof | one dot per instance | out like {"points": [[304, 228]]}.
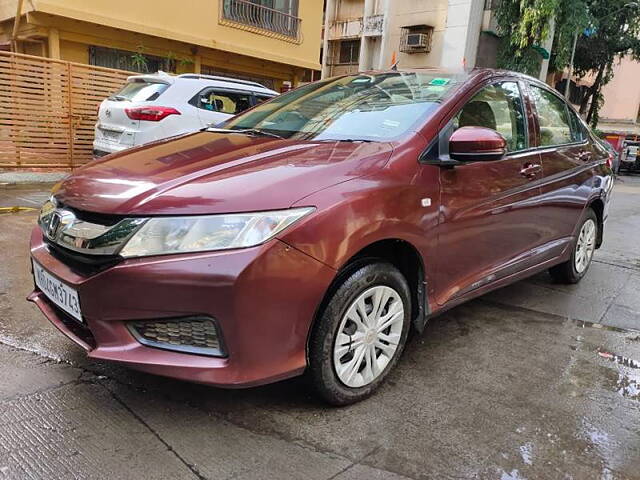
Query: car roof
{"points": [[202, 81]]}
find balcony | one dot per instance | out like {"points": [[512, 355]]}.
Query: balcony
{"points": [[257, 18], [373, 25], [346, 29]]}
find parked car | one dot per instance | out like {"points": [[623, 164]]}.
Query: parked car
{"points": [[154, 107], [614, 156], [312, 232], [630, 161]]}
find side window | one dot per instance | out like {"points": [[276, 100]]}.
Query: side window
{"points": [[578, 130], [498, 107], [555, 128], [224, 102], [261, 98]]}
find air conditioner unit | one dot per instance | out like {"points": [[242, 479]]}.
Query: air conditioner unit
{"points": [[418, 41]]}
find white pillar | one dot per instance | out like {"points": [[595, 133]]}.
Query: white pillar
{"points": [[330, 15], [386, 49], [548, 45], [462, 34], [364, 61]]}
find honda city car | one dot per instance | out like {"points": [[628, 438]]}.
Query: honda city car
{"points": [[311, 233]]}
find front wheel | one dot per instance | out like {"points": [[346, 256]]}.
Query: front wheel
{"points": [[360, 334], [584, 246]]}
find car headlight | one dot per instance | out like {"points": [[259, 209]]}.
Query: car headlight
{"points": [[161, 235]]}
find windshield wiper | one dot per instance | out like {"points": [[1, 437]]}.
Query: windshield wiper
{"points": [[351, 140], [118, 98], [257, 131], [248, 131]]}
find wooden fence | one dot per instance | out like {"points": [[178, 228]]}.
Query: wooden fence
{"points": [[48, 109]]}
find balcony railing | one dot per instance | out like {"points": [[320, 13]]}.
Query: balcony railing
{"points": [[346, 29], [255, 17], [373, 25]]}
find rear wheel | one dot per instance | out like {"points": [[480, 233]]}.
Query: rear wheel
{"points": [[360, 334], [584, 246]]}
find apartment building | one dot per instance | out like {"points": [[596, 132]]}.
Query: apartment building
{"points": [[271, 41], [620, 112], [373, 34]]}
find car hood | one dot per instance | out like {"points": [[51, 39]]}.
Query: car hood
{"points": [[208, 172]]}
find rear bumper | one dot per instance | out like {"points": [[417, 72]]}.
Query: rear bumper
{"points": [[105, 148], [263, 298]]}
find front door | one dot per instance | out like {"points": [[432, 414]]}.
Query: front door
{"points": [[488, 225]]}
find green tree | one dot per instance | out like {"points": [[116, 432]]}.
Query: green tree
{"points": [[613, 34], [610, 30], [525, 25]]}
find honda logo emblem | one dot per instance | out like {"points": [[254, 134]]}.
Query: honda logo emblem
{"points": [[58, 220]]}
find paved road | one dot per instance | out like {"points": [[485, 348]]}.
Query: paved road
{"points": [[534, 381]]}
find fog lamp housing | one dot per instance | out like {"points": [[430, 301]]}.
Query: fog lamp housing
{"points": [[194, 335]]}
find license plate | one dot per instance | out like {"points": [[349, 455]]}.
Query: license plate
{"points": [[59, 293], [111, 134]]}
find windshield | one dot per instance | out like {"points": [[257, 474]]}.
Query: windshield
{"points": [[374, 107], [140, 91]]}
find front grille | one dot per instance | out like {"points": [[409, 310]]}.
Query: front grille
{"points": [[82, 264], [93, 217], [198, 335]]}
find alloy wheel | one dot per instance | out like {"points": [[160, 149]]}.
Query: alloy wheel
{"points": [[368, 336], [586, 245]]}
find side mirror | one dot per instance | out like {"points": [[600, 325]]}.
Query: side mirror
{"points": [[472, 144]]}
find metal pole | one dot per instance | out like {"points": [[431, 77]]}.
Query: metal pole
{"points": [[567, 87]]}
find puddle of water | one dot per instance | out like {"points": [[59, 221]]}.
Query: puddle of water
{"points": [[526, 452], [619, 359], [628, 388], [599, 326], [512, 475]]}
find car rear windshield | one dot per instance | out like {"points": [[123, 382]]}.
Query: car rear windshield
{"points": [[373, 107], [140, 91]]}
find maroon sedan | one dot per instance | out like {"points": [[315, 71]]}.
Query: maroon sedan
{"points": [[312, 232]]}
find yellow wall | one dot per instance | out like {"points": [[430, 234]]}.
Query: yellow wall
{"points": [[193, 22], [74, 51], [191, 31]]}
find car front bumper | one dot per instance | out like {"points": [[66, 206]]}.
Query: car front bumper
{"points": [[263, 299]]}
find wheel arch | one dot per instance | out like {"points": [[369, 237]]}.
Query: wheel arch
{"points": [[597, 205], [400, 253]]}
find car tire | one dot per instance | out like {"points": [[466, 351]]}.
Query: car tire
{"points": [[350, 356], [582, 252]]}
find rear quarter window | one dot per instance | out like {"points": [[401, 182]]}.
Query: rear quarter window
{"points": [[553, 116]]}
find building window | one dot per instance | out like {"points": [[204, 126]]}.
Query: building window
{"points": [[416, 39], [276, 16], [131, 61], [349, 52]]}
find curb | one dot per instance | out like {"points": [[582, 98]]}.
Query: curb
{"points": [[24, 178]]}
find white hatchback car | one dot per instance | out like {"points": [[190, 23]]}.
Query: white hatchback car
{"points": [[153, 107]]}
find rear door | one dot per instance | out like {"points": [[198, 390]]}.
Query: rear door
{"points": [[488, 225], [567, 156]]}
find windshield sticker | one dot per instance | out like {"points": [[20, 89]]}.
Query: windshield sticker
{"points": [[390, 124], [439, 82]]}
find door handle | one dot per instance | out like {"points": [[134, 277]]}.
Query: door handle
{"points": [[585, 156], [530, 170]]}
